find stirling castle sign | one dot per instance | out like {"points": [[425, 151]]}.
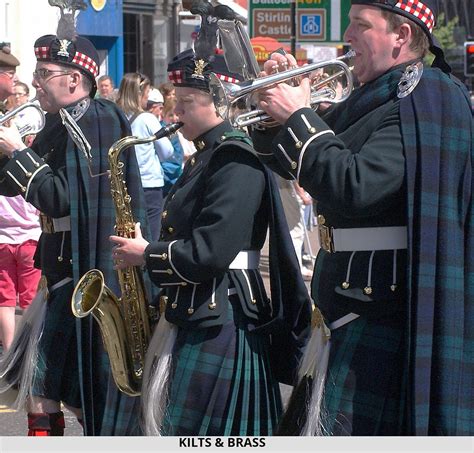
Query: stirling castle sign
{"points": [[316, 20]]}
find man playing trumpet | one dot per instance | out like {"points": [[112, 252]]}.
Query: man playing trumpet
{"points": [[391, 170]]}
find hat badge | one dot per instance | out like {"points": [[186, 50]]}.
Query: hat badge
{"points": [[63, 45], [199, 69]]}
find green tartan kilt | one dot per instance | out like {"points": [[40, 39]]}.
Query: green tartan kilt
{"points": [[364, 386], [56, 375], [221, 384]]}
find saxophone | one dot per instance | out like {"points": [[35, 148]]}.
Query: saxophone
{"points": [[123, 321]]}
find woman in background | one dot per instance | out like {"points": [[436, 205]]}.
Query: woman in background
{"points": [[132, 99]]}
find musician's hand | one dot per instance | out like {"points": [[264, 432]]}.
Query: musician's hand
{"points": [[129, 252], [282, 100], [279, 63], [10, 140]]}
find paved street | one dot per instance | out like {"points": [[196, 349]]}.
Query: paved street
{"points": [[13, 423]]}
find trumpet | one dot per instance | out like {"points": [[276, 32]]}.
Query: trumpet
{"points": [[29, 124], [226, 94]]}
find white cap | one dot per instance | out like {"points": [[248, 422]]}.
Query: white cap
{"points": [[155, 96]]}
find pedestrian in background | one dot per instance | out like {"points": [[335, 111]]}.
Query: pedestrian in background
{"points": [[133, 99]]}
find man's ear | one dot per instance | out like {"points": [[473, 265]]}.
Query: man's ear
{"points": [[404, 35], [75, 79]]}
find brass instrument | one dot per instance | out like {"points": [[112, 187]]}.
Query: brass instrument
{"points": [[27, 126], [123, 321], [226, 94]]}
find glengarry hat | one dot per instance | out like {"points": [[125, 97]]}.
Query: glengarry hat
{"points": [[423, 13], [66, 47], [7, 60], [79, 53], [187, 70]]}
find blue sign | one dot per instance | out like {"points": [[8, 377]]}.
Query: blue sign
{"points": [[311, 25], [106, 22]]}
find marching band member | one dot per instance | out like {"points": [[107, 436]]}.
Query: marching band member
{"points": [[66, 359], [391, 170], [232, 343]]}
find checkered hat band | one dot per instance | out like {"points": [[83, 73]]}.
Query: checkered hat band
{"points": [[41, 53], [87, 63], [176, 76], [419, 10], [226, 78]]}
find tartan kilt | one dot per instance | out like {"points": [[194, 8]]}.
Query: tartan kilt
{"points": [[222, 384], [122, 413], [56, 375], [365, 379]]}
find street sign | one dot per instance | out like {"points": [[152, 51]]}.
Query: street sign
{"points": [[316, 20]]}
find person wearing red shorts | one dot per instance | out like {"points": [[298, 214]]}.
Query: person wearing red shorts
{"points": [[19, 233]]}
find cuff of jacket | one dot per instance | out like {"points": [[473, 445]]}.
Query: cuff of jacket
{"points": [[161, 268], [290, 145], [22, 169]]}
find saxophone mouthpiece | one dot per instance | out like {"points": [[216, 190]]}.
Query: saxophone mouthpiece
{"points": [[168, 130]]}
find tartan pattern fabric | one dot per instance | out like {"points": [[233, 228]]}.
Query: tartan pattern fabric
{"points": [[93, 211], [222, 384], [364, 378], [56, 373], [438, 137], [437, 129]]}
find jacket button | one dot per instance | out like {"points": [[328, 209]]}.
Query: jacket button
{"points": [[170, 230], [321, 219], [164, 214], [169, 271]]}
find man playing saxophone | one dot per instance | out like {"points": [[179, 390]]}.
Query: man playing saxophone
{"points": [[77, 217]]}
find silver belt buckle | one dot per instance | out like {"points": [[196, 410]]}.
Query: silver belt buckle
{"points": [[326, 238]]}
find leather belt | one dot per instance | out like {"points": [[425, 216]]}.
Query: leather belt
{"points": [[51, 225], [246, 259], [362, 239]]}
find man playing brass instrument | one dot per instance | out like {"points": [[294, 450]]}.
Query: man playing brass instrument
{"points": [[78, 216], [391, 170]]}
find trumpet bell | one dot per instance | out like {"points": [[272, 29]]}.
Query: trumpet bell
{"points": [[225, 94], [29, 118]]}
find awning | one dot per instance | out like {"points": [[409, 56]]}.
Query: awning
{"points": [[139, 6]]}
